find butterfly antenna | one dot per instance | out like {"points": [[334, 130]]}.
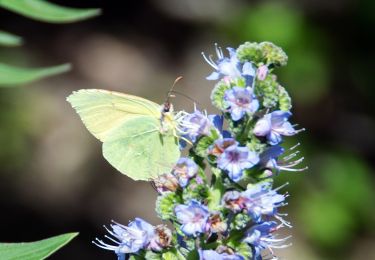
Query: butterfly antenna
{"points": [[171, 90], [185, 96]]}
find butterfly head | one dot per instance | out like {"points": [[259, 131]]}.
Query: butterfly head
{"points": [[167, 107]]}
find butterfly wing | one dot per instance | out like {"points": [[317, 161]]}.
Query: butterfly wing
{"points": [[129, 127], [139, 150], [104, 111]]}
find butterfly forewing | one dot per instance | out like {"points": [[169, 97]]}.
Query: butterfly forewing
{"points": [[104, 111]]}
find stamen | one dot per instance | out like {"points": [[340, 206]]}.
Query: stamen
{"points": [[294, 163], [290, 156], [295, 146], [293, 170], [110, 238], [210, 62]]}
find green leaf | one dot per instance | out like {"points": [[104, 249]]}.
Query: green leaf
{"points": [[173, 254], [10, 75], [34, 250], [47, 12], [9, 40]]}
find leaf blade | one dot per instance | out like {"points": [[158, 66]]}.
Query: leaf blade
{"points": [[10, 40], [35, 250], [44, 11], [12, 76]]}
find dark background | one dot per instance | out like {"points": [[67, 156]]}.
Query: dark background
{"points": [[54, 180]]}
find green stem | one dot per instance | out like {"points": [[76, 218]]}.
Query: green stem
{"points": [[216, 190], [245, 133]]}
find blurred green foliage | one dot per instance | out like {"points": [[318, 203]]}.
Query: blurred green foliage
{"points": [[47, 12], [340, 203], [284, 25], [9, 40], [34, 250], [11, 75], [42, 11]]}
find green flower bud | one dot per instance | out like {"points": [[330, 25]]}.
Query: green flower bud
{"points": [[236, 127], [165, 204], [217, 94], [272, 94], [195, 191], [250, 51], [202, 145], [254, 144], [273, 54], [267, 90], [240, 221], [285, 102]]}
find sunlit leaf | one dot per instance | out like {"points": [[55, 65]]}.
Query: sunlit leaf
{"points": [[47, 12], [34, 250], [10, 75], [10, 40]]}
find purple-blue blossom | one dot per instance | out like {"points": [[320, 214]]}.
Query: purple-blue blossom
{"points": [[261, 237], [230, 67], [260, 199], [235, 159], [184, 170], [128, 239], [275, 125], [193, 217], [240, 101], [195, 125], [270, 160], [220, 145], [234, 201]]}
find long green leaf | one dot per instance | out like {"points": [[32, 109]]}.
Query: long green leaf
{"points": [[10, 40], [47, 12], [11, 76], [34, 250]]}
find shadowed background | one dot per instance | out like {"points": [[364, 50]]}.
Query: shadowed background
{"points": [[53, 178]]}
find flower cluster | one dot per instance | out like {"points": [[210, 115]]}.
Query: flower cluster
{"points": [[220, 199]]}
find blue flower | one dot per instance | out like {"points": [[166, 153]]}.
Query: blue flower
{"points": [[213, 255], [128, 239], [196, 124], [260, 237], [270, 160], [240, 101], [218, 122], [184, 170], [234, 201], [260, 199], [220, 145], [275, 125], [235, 159], [230, 67], [193, 217]]}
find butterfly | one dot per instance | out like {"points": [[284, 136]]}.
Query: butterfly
{"points": [[140, 137]]}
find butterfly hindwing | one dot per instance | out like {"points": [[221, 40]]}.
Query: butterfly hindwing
{"points": [[139, 150]]}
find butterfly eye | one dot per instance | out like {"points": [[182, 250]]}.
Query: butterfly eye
{"points": [[166, 107]]}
